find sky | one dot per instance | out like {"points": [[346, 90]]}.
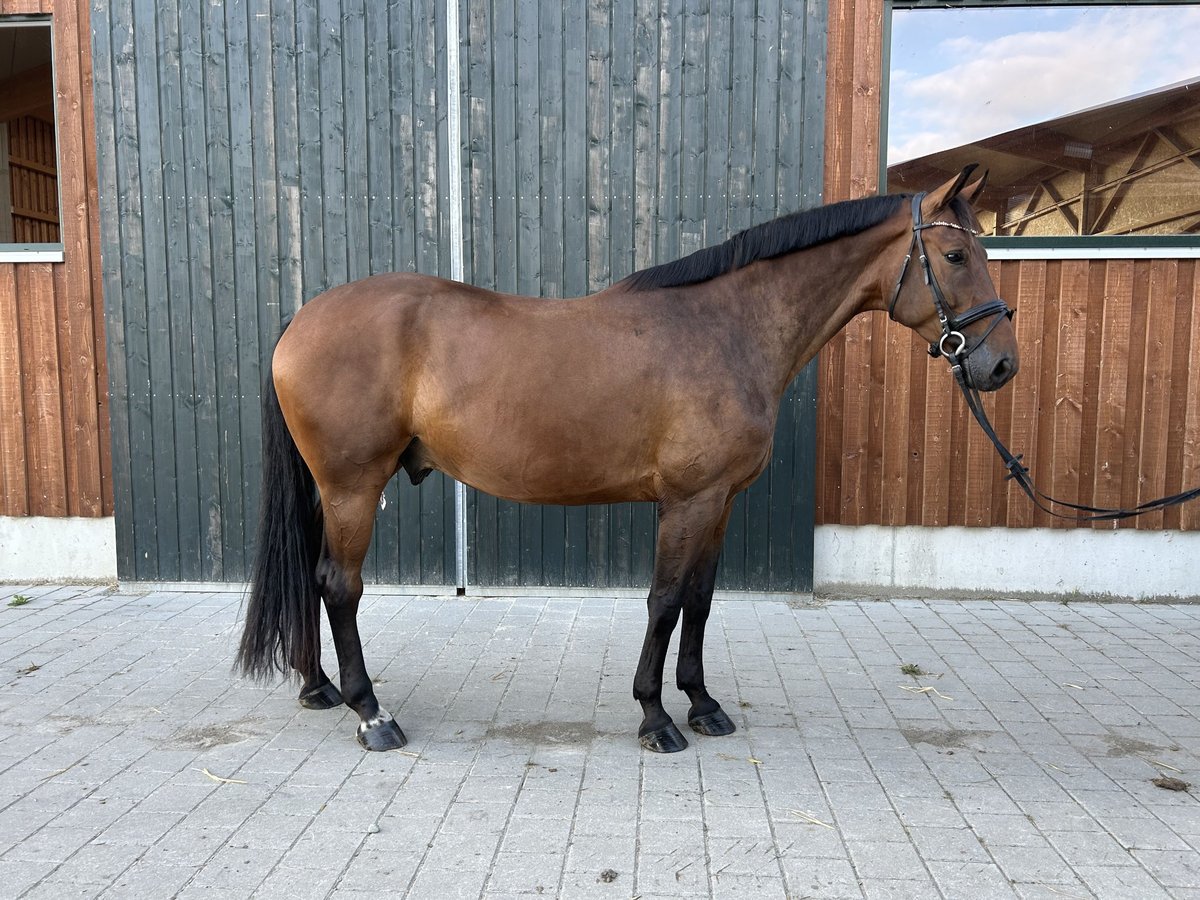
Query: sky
{"points": [[959, 75]]}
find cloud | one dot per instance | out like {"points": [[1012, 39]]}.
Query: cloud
{"points": [[1017, 79]]}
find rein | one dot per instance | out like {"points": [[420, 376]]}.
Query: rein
{"points": [[956, 356]]}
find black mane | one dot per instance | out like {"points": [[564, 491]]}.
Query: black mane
{"points": [[786, 234]]}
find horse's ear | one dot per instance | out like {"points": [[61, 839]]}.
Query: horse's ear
{"points": [[938, 200], [973, 191]]}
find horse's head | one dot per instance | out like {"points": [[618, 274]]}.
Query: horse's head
{"points": [[944, 291]]}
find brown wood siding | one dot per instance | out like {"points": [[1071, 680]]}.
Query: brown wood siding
{"points": [[54, 437], [1106, 409]]}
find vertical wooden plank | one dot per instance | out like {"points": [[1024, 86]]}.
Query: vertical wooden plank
{"points": [[150, 160], [264, 200], [830, 424], [1095, 300], [608, 226], [764, 201], [693, 148], [839, 136], [93, 280], [355, 112], [1112, 388], [1040, 456], [198, 326], [1189, 514], [815, 66], [670, 129], [954, 466], [14, 495], [873, 462], [1156, 388], [1139, 329], [111, 275], [189, 561], [1068, 394], [1008, 283], [222, 237], [856, 420], [894, 429], [867, 90], [375, 252], [72, 281], [286, 145], [576, 112], [936, 474], [1181, 361], [1031, 287], [804, 465], [45, 465], [646, 138], [718, 147], [308, 106], [916, 402], [145, 552]]}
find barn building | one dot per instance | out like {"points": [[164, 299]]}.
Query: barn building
{"points": [[179, 178]]}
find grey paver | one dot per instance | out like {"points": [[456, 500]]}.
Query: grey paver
{"points": [[1025, 772]]}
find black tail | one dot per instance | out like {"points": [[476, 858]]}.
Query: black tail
{"points": [[283, 617]]}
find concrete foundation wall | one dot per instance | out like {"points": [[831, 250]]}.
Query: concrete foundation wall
{"points": [[861, 560]]}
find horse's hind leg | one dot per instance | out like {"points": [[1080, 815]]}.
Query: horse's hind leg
{"points": [[685, 529], [316, 690], [349, 517], [705, 715]]}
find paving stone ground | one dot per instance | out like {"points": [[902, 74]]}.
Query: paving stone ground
{"points": [[134, 764]]}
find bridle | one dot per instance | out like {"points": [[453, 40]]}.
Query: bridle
{"points": [[952, 326]]}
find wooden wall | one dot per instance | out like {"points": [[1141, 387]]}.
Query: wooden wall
{"points": [[253, 155], [605, 137], [54, 439], [1106, 408], [597, 138]]}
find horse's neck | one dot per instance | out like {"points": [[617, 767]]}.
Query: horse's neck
{"points": [[803, 299]]}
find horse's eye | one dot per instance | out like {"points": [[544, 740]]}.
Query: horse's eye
{"points": [[956, 257]]}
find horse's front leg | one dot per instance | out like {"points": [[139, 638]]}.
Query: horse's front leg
{"points": [[705, 715], [685, 530]]}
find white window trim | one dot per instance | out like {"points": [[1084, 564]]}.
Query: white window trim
{"points": [[1068, 252], [51, 254]]}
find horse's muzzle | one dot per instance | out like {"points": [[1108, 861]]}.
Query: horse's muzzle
{"points": [[986, 371]]}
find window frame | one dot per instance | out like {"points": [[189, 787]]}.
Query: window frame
{"points": [[50, 251], [1037, 247]]}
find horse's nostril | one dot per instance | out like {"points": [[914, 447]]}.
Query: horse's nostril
{"points": [[1003, 370]]}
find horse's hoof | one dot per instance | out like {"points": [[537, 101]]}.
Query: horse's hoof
{"points": [[713, 724], [380, 732], [667, 739], [324, 697]]}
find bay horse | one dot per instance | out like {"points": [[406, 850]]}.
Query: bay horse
{"points": [[664, 387]]}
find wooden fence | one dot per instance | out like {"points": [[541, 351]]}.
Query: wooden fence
{"points": [[1106, 408]]}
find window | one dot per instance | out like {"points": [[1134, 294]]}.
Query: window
{"points": [[29, 205], [1087, 117]]}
